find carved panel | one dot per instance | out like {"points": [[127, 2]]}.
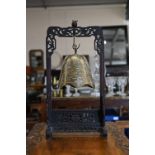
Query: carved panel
{"points": [[75, 120]]}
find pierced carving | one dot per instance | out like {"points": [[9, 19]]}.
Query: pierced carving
{"points": [[75, 120], [51, 43], [78, 32]]}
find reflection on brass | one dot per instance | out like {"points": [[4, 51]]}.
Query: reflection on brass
{"points": [[75, 72], [61, 93]]}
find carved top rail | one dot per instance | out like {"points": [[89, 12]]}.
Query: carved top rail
{"points": [[77, 32]]}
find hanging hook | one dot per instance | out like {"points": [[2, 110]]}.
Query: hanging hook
{"points": [[74, 25], [75, 47]]}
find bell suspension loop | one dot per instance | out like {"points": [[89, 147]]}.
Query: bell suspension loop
{"points": [[74, 46]]}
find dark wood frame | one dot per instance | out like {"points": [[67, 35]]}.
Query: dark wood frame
{"points": [[99, 47]]}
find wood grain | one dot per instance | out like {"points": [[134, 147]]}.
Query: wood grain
{"points": [[80, 145]]}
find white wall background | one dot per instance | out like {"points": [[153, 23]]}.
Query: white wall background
{"points": [[39, 19]]}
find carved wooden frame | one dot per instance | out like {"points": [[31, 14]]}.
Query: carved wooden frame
{"points": [[95, 31]]}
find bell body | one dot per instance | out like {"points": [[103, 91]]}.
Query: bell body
{"points": [[75, 72]]}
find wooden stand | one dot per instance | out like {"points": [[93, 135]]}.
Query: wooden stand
{"points": [[80, 120]]}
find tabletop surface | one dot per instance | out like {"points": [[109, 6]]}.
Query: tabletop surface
{"points": [[116, 142]]}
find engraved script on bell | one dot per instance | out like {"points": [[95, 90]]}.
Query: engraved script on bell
{"points": [[75, 72]]}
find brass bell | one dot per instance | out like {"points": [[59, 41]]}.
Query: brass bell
{"points": [[76, 71]]}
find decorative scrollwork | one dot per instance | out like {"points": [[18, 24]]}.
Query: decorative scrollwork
{"points": [[75, 120], [78, 32], [51, 43], [99, 44]]}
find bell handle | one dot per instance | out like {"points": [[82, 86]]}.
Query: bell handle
{"points": [[75, 47]]}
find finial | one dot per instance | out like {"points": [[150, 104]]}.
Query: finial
{"points": [[74, 23]]}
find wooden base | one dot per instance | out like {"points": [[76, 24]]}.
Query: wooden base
{"points": [[115, 144], [77, 146]]}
